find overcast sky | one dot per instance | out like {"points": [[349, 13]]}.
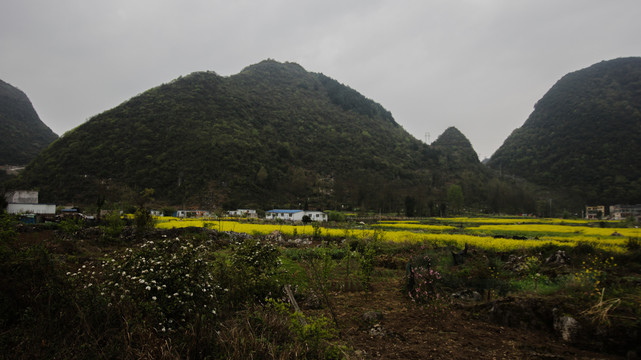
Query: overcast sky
{"points": [[478, 65]]}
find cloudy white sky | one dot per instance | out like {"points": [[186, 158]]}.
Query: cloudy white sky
{"points": [[478, 65]]}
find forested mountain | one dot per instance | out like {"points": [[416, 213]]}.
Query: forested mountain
{"points": [[459, 163], [272, 135], [584, 135], [457, 150], [22, 134]]}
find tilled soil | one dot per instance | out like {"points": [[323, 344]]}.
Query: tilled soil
{"points": [[407, 331]]}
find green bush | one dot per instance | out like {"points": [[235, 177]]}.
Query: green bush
{"points": [[71, 225], [113, 226], [251, 272], [7, 227], [7, 233], [336, 216], [315, 332], [633, 244], [143, 221], [276, 332]]}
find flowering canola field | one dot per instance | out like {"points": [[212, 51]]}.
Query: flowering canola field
{"points": [[479, 236]]}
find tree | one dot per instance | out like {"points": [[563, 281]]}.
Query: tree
{"points": [[145, 196], [410, 206], [455, 198], [262, 175]]}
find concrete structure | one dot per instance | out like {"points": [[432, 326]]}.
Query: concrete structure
{"points": [[594, 212], [621, 212], [25, 203], [22, 197], [295, 215], [243, 213], [191, 213], [43, 209]]}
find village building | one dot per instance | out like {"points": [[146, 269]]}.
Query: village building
{"points": [[191, 213], [621, 212], [594, 212], [295, 215], [25, 203], [39, 209], [249, 213]]}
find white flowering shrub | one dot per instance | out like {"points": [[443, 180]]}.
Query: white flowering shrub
{"points": [[166, 283]]}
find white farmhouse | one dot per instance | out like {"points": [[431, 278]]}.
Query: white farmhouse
{"points": [[26, 202], [250, 213], [191, 213], [295, 215], [43, 209]]}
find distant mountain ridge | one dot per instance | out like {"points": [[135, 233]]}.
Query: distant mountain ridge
{"points": [[584, 135], [22, 134]]}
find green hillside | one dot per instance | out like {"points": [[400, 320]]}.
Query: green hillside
{"points": [[457, 150], [22, 134], [584, 135], [460, 164], [272, 135]]}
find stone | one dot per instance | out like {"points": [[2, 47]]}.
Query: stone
{"points": [[558, 258], [377, 330], [371, 317], [467, 295], [566, 326]]}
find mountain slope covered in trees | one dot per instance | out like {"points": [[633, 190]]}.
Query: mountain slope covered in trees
{"points": [[22, 134], [272, 135], [583, 135]]}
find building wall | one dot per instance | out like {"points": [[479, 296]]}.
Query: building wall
{"points": [[594, 212], [191, 213], [297, 216], [621, 212], [22, 197], [31, 209], [243, 212]]}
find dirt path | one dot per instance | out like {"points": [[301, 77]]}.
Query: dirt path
{"points": [[409, 332]]}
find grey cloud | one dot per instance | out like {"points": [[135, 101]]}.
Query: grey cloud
{"points": [[476, 65]]}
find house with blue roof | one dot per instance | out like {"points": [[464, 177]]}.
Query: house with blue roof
{"points": [[295, 215]]}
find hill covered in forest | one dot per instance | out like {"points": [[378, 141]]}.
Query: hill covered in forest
{"points": [[22, 134], [271, 135], [583, 135]]}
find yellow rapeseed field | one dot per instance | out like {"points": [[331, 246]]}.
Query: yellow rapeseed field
{"points": [[414, 226], [520, 220], [552, 229], [415, 233]]}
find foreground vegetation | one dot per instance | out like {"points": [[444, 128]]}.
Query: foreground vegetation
{"points": [[214, 289]]}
